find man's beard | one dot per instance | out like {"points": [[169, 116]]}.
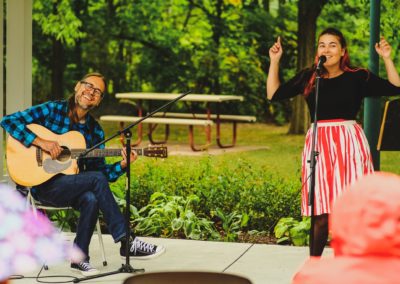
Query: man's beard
{"points": [[83, 106]]}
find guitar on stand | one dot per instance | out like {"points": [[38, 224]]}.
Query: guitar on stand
{"points": [[389, 136], [32, 166]]}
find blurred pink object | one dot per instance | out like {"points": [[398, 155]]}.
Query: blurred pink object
{"points": [[28, 241], [365, 226]]}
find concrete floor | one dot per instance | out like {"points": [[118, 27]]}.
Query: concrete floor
{"points": [[258, 262]]}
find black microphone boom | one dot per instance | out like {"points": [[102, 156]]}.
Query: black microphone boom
{"points": [[314, 154], [322, 60]]}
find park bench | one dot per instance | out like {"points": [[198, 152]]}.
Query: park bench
{"points": [[154, 121], [222, 117], [206, 119], [218, 118]]}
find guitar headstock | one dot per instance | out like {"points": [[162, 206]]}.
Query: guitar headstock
{"points": [[155, 152]]}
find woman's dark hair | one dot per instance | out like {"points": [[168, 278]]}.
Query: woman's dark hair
{"points": [[344, 61], [71, 100]]}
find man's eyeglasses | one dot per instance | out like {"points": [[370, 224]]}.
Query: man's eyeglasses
{"points": [[95, 91]]}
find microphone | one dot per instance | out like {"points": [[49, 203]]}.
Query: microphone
{"points": [[321, 61]]}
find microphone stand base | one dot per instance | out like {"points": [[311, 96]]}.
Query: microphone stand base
{"points": [[125, 268]]}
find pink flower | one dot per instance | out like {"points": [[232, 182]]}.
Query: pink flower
{"points": [[28, 240], [37, 225]]}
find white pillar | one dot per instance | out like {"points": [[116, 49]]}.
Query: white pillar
{"points": [[19, 55], [1, 91], [18, 93]]}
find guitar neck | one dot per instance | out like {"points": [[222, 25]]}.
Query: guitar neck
{"points": [[100, 153]]}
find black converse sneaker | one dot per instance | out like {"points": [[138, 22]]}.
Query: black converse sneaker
{"points": [[139, 249], [85, 268]]}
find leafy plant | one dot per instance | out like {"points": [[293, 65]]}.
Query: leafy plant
{"points": [[231, 224], [237, 186], [174, 216], [122, 204], [66, 220], [293, 231]]}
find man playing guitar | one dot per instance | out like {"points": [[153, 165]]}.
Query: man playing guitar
{"points": [[87, 191]]}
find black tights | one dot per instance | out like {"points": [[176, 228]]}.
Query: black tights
{"points": [[320, 234]]}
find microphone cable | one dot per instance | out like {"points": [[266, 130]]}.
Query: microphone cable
{"points": [[38, 277]]}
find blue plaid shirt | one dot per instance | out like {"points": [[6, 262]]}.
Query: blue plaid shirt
{"points": [[54, 116]]}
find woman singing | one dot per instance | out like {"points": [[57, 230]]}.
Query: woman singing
{"points": [[344, 153]]}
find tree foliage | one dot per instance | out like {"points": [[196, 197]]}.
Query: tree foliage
{"points": [[308, 12], [206, 46]]}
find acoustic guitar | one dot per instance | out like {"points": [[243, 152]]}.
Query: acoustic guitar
{"points": [[32, 166]]}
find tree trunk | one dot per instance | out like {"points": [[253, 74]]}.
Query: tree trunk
{"points": [[80, 10], [266, 5], [57, 71], [217, 27], [308, 12], [57, 66]]}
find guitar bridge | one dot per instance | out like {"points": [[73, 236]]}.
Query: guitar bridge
{"points": [[39, 156]]}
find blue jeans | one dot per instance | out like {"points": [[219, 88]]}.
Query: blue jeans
{"points": [[86, 192]]}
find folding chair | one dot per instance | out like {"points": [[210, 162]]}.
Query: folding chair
{"points": [[35, 204]]}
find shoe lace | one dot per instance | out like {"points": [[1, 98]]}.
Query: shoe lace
{"points": [[141, 245], [86, 265]]}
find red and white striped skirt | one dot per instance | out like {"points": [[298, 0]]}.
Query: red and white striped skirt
{"points": [[344, 156]]}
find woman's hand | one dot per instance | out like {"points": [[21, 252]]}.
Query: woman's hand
{"points": [[275, 54], [276, 51], [383, 48]]}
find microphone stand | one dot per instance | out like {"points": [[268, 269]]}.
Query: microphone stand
{"points": [[313, 159], [125, 268]]}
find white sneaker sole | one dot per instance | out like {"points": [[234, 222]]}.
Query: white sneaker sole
{"points": [[161, 250], [85, 273]]}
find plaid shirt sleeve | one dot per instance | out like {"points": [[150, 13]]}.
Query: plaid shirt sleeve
{"points": [[15, 124], [111, 171]]}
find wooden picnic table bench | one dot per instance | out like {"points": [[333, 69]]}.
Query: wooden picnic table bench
{"points": [[161, 120], [222, 117], [191, 119], [217, 118]]}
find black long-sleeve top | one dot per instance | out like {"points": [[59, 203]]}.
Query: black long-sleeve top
{"points": [[339, 97]]}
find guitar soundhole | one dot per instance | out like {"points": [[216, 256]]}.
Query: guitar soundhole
{"points": [[65, 154]]}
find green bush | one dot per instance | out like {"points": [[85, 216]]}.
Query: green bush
{"points": [[231, 224], [174, 216], [290, 230], [220, 184]]}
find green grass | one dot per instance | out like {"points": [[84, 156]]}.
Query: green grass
{"points": [[390, 162], [283, 155]]}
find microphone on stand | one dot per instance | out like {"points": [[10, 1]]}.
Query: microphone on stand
{"points": [[314, 153], [321, 61]]}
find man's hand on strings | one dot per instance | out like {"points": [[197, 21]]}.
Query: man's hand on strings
{"points": [[124, 161], [51, 147]]}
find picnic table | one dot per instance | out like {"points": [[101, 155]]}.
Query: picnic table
{"points": [[190, 118]]}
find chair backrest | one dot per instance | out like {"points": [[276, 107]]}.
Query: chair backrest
{"points": [[186, 277]]}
